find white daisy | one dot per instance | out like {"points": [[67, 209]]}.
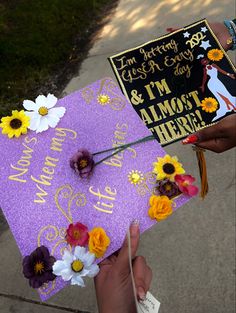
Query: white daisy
{"points": [[75, 266], [42, 112]]}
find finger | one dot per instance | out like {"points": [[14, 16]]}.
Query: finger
{"points": [[142, 276], [139, 270], [216, 145], [171, 29], [148, 277], [206, 134], [122, 263]]}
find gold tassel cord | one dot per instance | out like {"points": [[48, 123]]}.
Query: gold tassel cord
{"points": [[202, 169]]}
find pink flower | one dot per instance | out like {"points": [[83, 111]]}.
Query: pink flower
{"points": [[77, 235], [185, 184]]}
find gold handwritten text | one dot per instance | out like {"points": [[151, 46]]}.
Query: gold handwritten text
{"points": [[155, 51], [179, 127], [50, 163], [195, 39], [119, 140], [168, 108], [23, 164], [105, 201]]}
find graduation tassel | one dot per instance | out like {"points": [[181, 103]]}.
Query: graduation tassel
{"points": [[202, 170]]}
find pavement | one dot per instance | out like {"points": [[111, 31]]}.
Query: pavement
{"points": [[192, 253]]}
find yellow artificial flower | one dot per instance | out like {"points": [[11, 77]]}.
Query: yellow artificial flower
{"points": [[160, 207], [98, 241], [135, 177], [209, 105], [215, 55], [167, 167], [15, 125], [103, 99]]}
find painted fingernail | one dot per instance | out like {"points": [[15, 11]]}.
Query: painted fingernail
{"points": [[135, 222], [141, 293], [134, 229], [190, 139]]}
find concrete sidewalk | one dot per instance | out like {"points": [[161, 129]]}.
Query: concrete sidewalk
{"points": [[192, 253]]}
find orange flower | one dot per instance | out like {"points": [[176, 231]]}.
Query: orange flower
{"points": [[215, 55], [160, 207], [98, 241], [209, 105]]}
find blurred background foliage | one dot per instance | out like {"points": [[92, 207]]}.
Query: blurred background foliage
{"points": [[39, 39]]}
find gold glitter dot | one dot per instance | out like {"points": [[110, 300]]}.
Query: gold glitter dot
{"points": [[135, 177], [103, 99]]}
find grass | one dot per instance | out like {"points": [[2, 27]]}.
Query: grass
{"points": [[38, 40]]}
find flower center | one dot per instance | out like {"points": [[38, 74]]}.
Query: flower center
{"points": [[209, 104], [168, 187], [76, 234], [77, 266], [168, 168], [135, 177], [43, 111], [38, 268], [83, 163], [15, 123], [103, 99]]}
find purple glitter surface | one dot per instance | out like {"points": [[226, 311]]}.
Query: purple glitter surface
{"points": [[41, 194]]}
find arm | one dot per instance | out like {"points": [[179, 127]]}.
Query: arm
{"points": [[204, 80], [222, 34], [223, 72]]}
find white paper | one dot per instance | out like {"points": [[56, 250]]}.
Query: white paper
{"points": [[149, 305]]}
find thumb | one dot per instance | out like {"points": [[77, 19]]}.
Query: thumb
{"points": [[122, 262]]}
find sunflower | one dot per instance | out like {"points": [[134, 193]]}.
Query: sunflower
{"points": [[209, 105], [215, 55], [167, 167], [15, 125]]}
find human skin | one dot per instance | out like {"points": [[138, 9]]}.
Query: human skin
{"points": [[113, 283]]}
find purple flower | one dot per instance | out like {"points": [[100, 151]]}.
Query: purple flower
{"points": [[167, 188], [82, 162], [37, 267]]}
